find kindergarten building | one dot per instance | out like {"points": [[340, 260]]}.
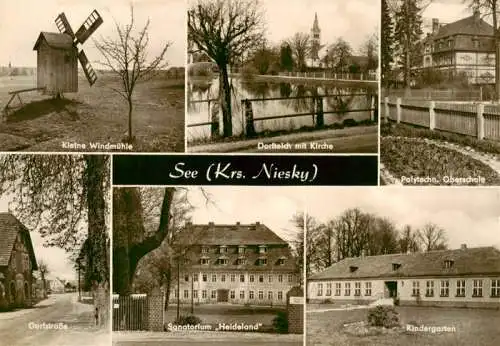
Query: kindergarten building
{"points": [[465, 277], [239, 264]]}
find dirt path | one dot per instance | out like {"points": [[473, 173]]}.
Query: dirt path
{"points": [[491, 160]]}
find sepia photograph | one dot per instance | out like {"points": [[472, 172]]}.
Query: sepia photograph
{"points": [[403, 266], [282, 76], [54, 250], [196, 266], [92, 76], [440, 91]]}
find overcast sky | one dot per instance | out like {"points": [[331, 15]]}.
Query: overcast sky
{"points": [[469, 215], [354, 20], [446, 11], [272, 206], [22, 20], [57, 260]]}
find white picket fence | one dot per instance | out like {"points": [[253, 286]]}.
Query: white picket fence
{"points": [[480, 120], [332, 75]]}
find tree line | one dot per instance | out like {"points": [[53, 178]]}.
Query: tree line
{"points": [[355, 233]]}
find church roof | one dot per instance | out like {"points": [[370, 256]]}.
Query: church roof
{"points": [[316, 24]]}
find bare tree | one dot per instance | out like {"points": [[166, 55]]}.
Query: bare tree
{"points": [[225, 30], [339, 54], [301, 49], [433, 237], [127, 56], [409, 240], [43, 270]]}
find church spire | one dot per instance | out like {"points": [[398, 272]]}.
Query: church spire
{"points": [[316, 24]]}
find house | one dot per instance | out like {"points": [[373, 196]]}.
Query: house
{"points": [[17, 263], [239, 264], [56, 285], [466, 46], [57, 66], [465, 277]]}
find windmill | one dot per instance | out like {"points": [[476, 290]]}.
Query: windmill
{"points": [[57, 55]]}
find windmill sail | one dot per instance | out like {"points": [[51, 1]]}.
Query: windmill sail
{"points": [[89, 26], [87, 68], [63, 25]]}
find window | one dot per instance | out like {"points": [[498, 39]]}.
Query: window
{"points": [[429, 288], [290, 278], [281, 261], [241, 249], [280, 295], [204, 294], [186, 278], [477, 288], [261, 278], [262, 261], [320, 290], [329, 289], [352, 269], [368, 288], [175, 294], [347, 291], [270, 295], [186, 294], [252, 278], [223, 261], [242, 278], [204, 261], [242, 294], [233, 277], [223, 249], [232, 294], [270, 278], [204, 249], [250, 295], [280, 278], [195, 277], [396, 266], [495, 288], [415, 289], [240, 261], [338, 288], [261, 295], [204, 277], [357, 289], [448, 264], [460, 288], [195, 294], [214, 277], [223, 278], [262, 249], [214, 294], [445, 288]]}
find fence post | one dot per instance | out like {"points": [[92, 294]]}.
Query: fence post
{"points": [[432, 115], [361, 76], [480, 121], [398, 110], [320, 119], [386, 109], [373, 109], [249, 125]]}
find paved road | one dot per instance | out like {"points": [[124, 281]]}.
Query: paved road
{"points": [[26, 326], [205, 339]]}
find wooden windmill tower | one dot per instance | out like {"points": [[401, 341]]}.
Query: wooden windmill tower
{"points": [[57, 55]]}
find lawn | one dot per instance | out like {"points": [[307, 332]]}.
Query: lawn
{"points": [[94, 114], [222, 313], [473, 327], [414, 158]]}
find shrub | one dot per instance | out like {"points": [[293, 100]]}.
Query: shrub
{"points": [[349, 122], [383, 316], [280, 322], [188, 320]]}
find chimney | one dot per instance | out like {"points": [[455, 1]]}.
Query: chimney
{"points": [[476, 14], [237, 223], [257, 223], [463, 246], [211, 223], [435, 25]]}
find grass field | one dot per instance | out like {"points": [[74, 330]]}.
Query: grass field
{"points": [[473, 327], [94, 114]]}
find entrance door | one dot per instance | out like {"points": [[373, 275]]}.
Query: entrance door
{"points": [[391, 289], [222, 296]]}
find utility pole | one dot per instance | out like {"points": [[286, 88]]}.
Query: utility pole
{"points": [[178, 286]]}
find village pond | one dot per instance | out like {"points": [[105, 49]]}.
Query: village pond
{"points": [[277, 107]]}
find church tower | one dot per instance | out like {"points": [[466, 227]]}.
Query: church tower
{"points": [[315, 40]]}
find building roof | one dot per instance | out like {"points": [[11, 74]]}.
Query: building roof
{"points": [[473, 25], [238, 234], [9, 228], [54, 40], [465, 262]]}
